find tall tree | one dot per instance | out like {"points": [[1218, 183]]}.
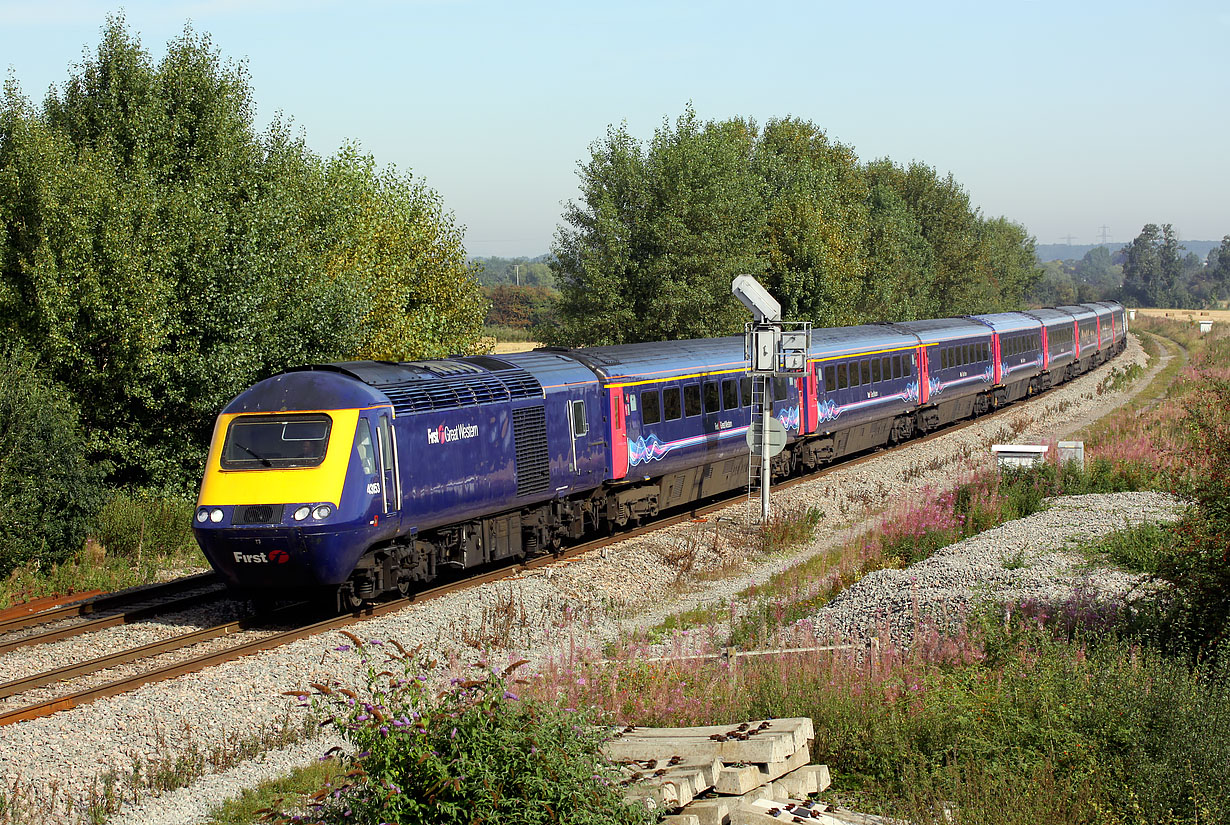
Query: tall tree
{"points": [[651, 250], [158, 255], [1142, 267]]}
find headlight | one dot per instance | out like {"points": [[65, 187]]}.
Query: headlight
{"points": [[301, 513], [215, 515], [202, 515], [322, 511]]}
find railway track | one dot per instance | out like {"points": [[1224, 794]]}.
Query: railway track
{"points": [[302, 628]]}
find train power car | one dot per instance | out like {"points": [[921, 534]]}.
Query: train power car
{"points": [[352, 480]]}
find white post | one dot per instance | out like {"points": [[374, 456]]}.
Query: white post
{"points": [[766, 414]]}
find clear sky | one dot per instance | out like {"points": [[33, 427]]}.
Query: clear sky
{"points": [[1062, 116]]}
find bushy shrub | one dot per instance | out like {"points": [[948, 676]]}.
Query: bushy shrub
{"points": [[48, 490], [477, 753], [136, 525]]}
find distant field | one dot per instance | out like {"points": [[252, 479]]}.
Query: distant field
{"points": [[524, 346], [1220, 316]]}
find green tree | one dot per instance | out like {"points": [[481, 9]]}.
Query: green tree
{"points": [[48, 490], [900, 263], [159, 256], [1142, 267], [1220, 266], [815, 204], [650, 251]]}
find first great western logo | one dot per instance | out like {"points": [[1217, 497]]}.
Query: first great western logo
{"points": [[447, 435]]}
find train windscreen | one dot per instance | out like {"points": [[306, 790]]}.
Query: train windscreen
{"points": [[267, 442]]}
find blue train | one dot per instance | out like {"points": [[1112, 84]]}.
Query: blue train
{"points": [[352, 480]]}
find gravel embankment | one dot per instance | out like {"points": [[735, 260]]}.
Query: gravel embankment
{"points": [[585, 603], [1024, 560]]}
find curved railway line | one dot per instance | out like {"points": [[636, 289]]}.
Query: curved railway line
{"points": [[193, 591]]}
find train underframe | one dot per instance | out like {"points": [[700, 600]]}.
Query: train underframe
{"points": [[410, 562]]}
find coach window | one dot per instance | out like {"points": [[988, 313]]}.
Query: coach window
{"points": [[781, 389], [875, 370], [671, 408], [944, 358], [896, 367], [855, 380], [965, 359], [886, 367], [691, 400], [830, 378], [713, 399], [842, 381], [580, 425], [745, 391], [651, 407], [730, 394]]}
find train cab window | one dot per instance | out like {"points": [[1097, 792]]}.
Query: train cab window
{"points": [[745, 391], [875, 370], [265, 442], [580, 425], [866, 372], [781, 389], [671, 406], [363, 445], [691, 400], [842, 380], [730, 394], [651, 407], [830, 378], [713, 400]]}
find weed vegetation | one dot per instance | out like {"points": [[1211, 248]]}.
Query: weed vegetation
{"points": [[1082, 710], [477, 752]]}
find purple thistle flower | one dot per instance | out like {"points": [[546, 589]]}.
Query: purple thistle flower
{"points": [[342, 648]]}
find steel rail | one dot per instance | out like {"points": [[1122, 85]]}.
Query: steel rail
{"points": [[146, 651], [127, 617], [110, 601]]}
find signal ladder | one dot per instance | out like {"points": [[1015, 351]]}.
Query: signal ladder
{"points": [[760, 386]]}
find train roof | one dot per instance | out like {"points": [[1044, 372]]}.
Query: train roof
{"points": [[446, 383], [660, 360], [305, 390], [938, 330], [1051, 317], [1009, 321], [1081, 313], [1099, 308]]}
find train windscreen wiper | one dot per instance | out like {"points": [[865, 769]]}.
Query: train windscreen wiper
{"points": [[254, 454]]}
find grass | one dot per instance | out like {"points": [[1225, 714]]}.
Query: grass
{"points": [[254, 803], [1141, 549], [137, 540]]}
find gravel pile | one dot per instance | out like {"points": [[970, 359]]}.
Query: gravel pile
{"points": [[584, 603], [1023, 560]]}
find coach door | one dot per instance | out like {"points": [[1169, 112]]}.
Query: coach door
{"points": [[386, 454]]}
